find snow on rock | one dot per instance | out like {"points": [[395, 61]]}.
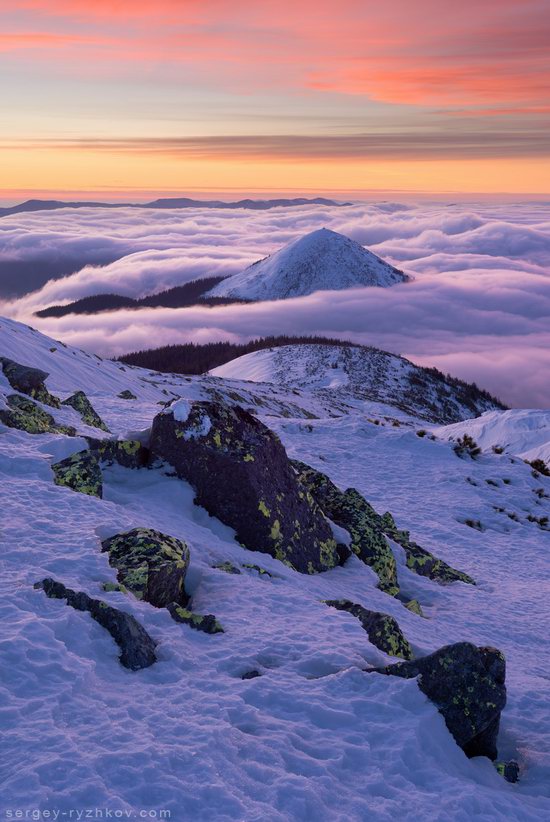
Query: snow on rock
{"points": [[320, 261], [520, 431]]}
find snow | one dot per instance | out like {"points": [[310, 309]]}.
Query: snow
{"points": [[180, 410], [524, 432], [314, 737], [319, 261]]}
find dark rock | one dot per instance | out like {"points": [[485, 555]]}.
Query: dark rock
{"points": [[200, 622], [419, 560], [138, 649], [80, 472], [242, 475], [351, 511], [467, 685], [128, 453], [382, 629], [261, 571], [251, 675], [414, 606], [26, 415], [28, 380], [150, 564], [509, 770], [80, 402], [227, 567], [127, 395]]}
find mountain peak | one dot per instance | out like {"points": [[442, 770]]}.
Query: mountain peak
{"points": [[322, 260]]}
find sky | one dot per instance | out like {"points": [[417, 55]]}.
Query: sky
{"points": [[119, 97], [477, 306]]}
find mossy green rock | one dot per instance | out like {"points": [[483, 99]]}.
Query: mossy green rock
{"points": [[200, 622], [382, 629], [420, 560], [80, 472], [351, 511], [150, 564], [466, 684], [28, 380], [138, 649], [80, 402], [242, 475], [26, 415]]}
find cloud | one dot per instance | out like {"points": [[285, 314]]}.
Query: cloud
{"points": [[479, 306]]}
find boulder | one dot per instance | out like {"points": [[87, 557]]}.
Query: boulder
{"points": [[467, 685], [138, 649], [382, 629], [80, 402], [150, 564], [242, 475], [420, 560], [26, 415], [128, 453], [200, 622], [28, 380], [80, 472], [351, 511]]}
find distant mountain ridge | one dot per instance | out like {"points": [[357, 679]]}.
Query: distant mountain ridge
{"points": [[169, 202], [322, 260]]}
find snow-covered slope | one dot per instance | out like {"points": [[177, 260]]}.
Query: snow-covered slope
{"points": [[313, 737], [355, 372], [320, 261], [521, 431]]}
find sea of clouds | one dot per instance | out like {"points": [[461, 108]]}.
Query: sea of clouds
{"points": [[478, 306]]}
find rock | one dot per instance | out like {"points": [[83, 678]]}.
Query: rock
{"points": [[242, 475], [26, 415], [110, 587], [127, 395], [351, 511], [80, 402], [382, 629], [128, 453], [509, 770], [138, 649], [261, 571], [28, 380], [251, 675], [227, 567], [467, 685], [150, 564], [419, 560], [414, 606], [200, 622], [80, 472]]}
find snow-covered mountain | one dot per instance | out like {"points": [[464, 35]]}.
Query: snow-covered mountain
{"points": [[275, 718], [345, 373], [321, 260]]}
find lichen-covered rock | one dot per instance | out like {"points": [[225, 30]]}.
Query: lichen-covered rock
{"points": [[351, 511], [127, 395], [508, 770], [261, 571], [80, 402], [200, 622], [242, 475], [382, 629], [26, 415], [138, 649], [414, 606], [419, 560], [28, 380], [228, 567], [128, 453], [150, 564], [467, 685], [114, 587], [80, 472]]}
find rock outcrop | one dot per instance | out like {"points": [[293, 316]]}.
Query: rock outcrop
{"points": [[242, 475], [138, 649], [352, 511], [467, 685], [382, 629], [200, 622], [80, 402], [150, 564], [28, 380], [26, 415], [80, 472]]}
